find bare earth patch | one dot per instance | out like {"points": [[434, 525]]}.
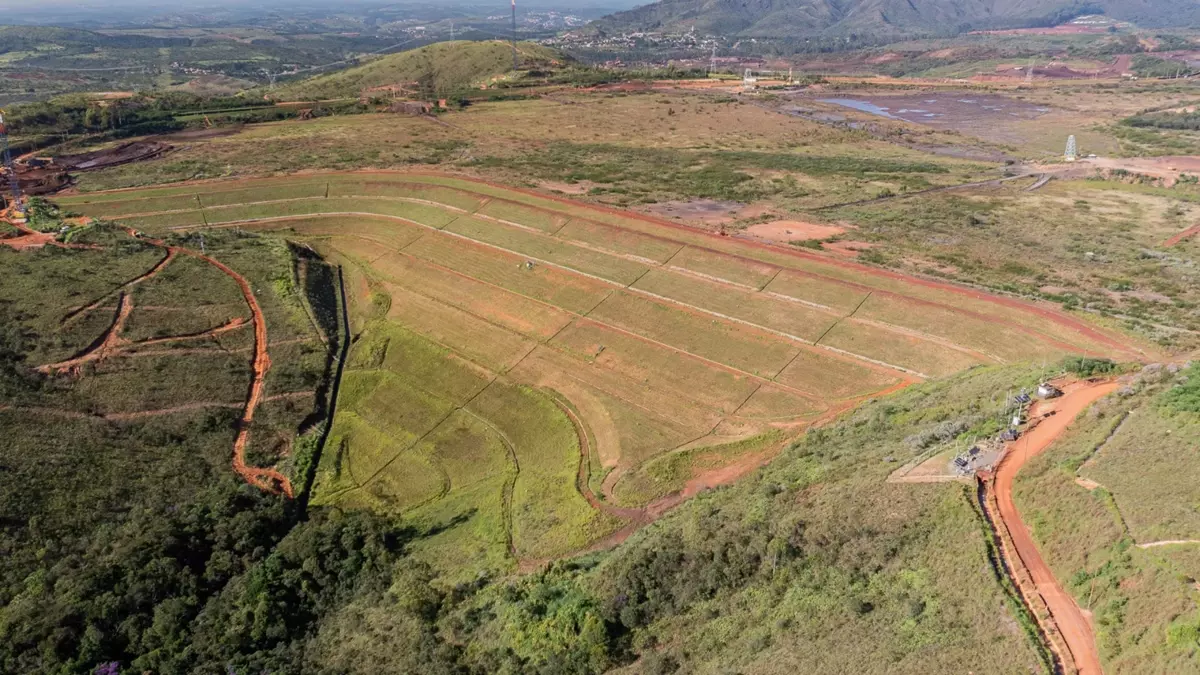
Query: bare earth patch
{"points": [[793, 230], [699, 211], [580, 188], [27, 241], [847, 248]]}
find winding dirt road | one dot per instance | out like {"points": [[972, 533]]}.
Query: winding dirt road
{"points": [[269, 480], [1072, 623]]}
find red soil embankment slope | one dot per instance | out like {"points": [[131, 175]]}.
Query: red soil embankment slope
{"points": [[1075, 627]]}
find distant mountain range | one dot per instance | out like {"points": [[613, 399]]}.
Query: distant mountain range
{"points": [[790, 18]]}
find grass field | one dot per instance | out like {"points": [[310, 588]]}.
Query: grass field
{"points": [[507, 339]]}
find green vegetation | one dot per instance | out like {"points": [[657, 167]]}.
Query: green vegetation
{"points": [[670, 472], [99, 505], [643, 174], [42, 123], [1145, 65], [1086, 367], [1185, 397], [424, 436], [1165, 120], [1051, 244], [1132, 447], [812, 563], [40, 62], [442, 70]]}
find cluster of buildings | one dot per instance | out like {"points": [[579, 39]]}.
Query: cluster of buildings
{"points": [[636, 41], [543, 20]]}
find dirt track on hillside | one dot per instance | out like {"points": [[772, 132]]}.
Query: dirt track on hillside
{"points": [[268, 480], [1186, 234], [111, 343], [1071, 621]]}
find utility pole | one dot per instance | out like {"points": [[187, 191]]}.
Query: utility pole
{"points": [[514, 34], [13, 184]]}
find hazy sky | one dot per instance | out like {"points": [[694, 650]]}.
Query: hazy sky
{"points": [[121, 12], [24, 6]]}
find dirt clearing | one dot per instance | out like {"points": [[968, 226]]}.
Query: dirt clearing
{"points": [[793, 230]]}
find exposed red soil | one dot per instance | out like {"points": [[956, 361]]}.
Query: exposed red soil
{"points": [[31, 239], [850, 249], [232, 324], [1186, 234], [108, 344], [51, 177], [1069, 620], [28, 241]]}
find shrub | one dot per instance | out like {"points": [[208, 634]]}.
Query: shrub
{"points": [[1185, 397], [1087, 367]]}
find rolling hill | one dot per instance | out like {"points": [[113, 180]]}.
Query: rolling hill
{"points": [[791, 18], [437, 70]]}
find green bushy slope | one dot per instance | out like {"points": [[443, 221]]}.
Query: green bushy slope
{"points": [[440, 70]]}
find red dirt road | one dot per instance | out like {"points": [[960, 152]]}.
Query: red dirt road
{"points": [[265, 479], [1072, 623], [268, 480], [1190, 232], [108, 344]]}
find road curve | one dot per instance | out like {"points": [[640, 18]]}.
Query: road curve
{"points": [[1075, 627]]}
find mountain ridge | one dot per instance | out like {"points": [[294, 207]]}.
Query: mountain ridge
{"points": [[797, 18]]}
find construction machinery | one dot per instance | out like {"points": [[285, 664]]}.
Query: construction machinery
{"points": [[13, 184]]}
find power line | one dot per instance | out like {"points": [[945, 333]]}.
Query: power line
{"points": [[354, 58]]}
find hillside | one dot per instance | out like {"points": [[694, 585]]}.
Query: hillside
{"points": [[437, 70], [789, 18]]}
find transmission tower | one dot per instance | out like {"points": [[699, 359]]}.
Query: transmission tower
{"points": [[13, 184], [514, 34]]}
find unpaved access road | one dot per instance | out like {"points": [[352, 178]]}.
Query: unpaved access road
{"points": [[1076, 628]]}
